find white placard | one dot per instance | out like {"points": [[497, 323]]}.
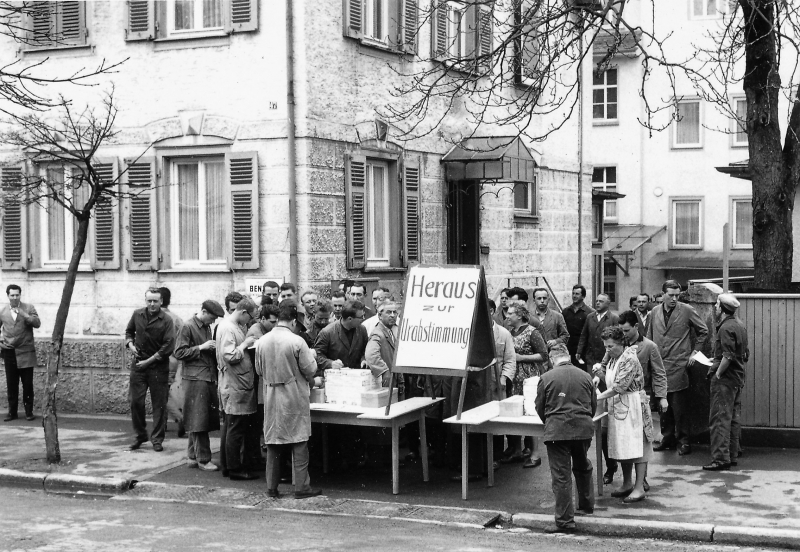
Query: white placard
{"points": [[437, 317], [253, 286]]}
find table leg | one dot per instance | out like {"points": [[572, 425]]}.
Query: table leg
{"points": [[464, 462], [395, 458], [598, 445], [490, 461], [325, 463], [423, 447]]}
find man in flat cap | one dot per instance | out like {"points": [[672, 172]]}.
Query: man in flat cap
{"points": [[727, 380], [197, 349]]}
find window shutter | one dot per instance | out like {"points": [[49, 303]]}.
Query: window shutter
{"points": [[14, 220], [243, 174], [72, 23], [244, 15], [483, 38], [41, 24], [439, 31], [353, 15], [106, 219], [141, 180], [411, 211], [141, 20], [409, 30], [355, 214]]}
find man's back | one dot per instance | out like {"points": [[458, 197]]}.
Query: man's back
{"points": [[566, 402]]}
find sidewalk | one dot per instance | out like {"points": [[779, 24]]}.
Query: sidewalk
{"points": [[762, 493]]}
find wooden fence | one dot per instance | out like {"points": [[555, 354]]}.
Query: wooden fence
{"points": [[771, 396]]}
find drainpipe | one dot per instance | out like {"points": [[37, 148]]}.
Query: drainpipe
{"points": [[580, 155], [290, 141]]}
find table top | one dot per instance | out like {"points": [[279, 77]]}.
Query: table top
{"points": [[414, 404], [490, 412]]}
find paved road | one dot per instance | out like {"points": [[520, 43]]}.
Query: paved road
{"points": [[32, 520]]}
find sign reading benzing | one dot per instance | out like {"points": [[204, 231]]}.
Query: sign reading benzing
{"points": [[437, 317]]}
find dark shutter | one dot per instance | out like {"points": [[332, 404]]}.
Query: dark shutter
{"points": [[243, 174], [244, 15], [106, 217], [411, 211], [72, 23], [41, 24], [355, 205], [141, 20], [409, 30], [439, 30], [13, 220], [353, 15], [141, 179], [483, 44]]}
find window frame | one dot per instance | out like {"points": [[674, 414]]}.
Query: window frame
{"points": [[153, 21], [370, 228], [400, 29], [732, 218], [609, 280], [604, 185], [722, 9], [605, 120], [700, 117], [57, 22], [736, 125], [531, 212], [673, 226], [174, 33]]}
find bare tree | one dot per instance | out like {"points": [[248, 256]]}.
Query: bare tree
{"points": [[517, 63]]}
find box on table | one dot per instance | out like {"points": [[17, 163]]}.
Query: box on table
{"points": [[318, 395], [375, 398], [344, 386], [512, 406]]}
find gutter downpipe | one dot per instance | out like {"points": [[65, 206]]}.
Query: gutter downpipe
{"points": [[580, 156], [291, 143]]}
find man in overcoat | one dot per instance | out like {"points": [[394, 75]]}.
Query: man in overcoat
{"points": [[18, 320], [590, 347]]}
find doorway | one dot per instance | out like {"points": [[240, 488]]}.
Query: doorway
{"points": [[463, 222]]}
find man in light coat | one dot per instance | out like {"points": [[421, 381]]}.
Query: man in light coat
{"points": [[671, 329], [18, 320], [379, 353], [286, 368], [505, 368]]}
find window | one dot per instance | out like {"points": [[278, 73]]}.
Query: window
{"points": [[686, 221], [461, 32], [610, 281], [457, 31], [597, 222], [56, 25], [739, 131], [604, 95], [605, 179], [186, 19], [742, 219], [687, 130], [382, 211], [58, 227], [708, 9], [391, 24], [525, 200]]}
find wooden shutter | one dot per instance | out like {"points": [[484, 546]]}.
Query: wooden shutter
{"points": [[244, 15], [243, 174], [141, 180], [439, 31], [355, 210], [141, 20], [411, 211], [483, 36], [409, 30], [14, 220], [41, 24], [106, 219], [353, 15], [72, 23]]}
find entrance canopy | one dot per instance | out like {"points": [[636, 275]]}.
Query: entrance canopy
{"points": [[626, 239], [490, 158]]}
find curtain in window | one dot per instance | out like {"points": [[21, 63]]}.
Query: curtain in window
{"points": [[687, 223], [212, 13], [215, 211], [188, 213], [741, 125], [377, 213], [744, 223], [184, 15], [80, 196], [688, 131], [57, 246], [521, 195]]}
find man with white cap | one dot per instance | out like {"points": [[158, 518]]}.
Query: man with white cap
{"points": [[727, 379]]}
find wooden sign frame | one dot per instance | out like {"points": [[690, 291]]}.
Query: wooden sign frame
{"points": [[480, 356]]}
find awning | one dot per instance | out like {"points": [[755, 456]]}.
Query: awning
{"points": [[490, 158], [739, 169], [625, 239], [741, 259]]}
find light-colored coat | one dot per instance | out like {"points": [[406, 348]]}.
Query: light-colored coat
{"points": [[506, 359], [18, 334], [286, 366], [674, 341], [379, 353], [237, 378]]}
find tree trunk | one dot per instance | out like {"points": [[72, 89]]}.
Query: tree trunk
{"points": [[773, 188], [49, 417]]}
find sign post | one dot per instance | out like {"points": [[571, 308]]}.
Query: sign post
{"points": [[446, 329]]}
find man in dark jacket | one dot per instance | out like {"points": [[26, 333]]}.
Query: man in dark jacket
{"points": [[575, 317], [18, 320], [342, 344], [590, 346], [566, 401]]}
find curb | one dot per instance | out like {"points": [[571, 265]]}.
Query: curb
{"points": [[753, 536], [65, 483], [630, 528]]}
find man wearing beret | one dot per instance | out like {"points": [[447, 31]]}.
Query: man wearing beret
{"points": [[727, 379], [197, 349]]}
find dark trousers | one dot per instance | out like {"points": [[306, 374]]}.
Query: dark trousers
{"points": [[302, 482], [199, 447], [566, 456], [252, 441], [13, 377], [611, 464], [157, 380], [675, 421], [723, 420], [230, 453]]}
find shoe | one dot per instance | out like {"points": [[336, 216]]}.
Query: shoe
{"points": [[308, 494], [242, 476], [734, 463], [273, 493], [632, 499], [684, 450], [181, 432], [646, 485], [526, 452], [225, 473], [716, 465], [158, 447], [506, 453], [513, 459], [10, 418], [471, 477], [584, 511], [561, 529], [663, 446], [191, 463], [622, 493], [532, 463], [608, 477], [136, 444], [208, 466], [30, 417], [741, 451]]}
